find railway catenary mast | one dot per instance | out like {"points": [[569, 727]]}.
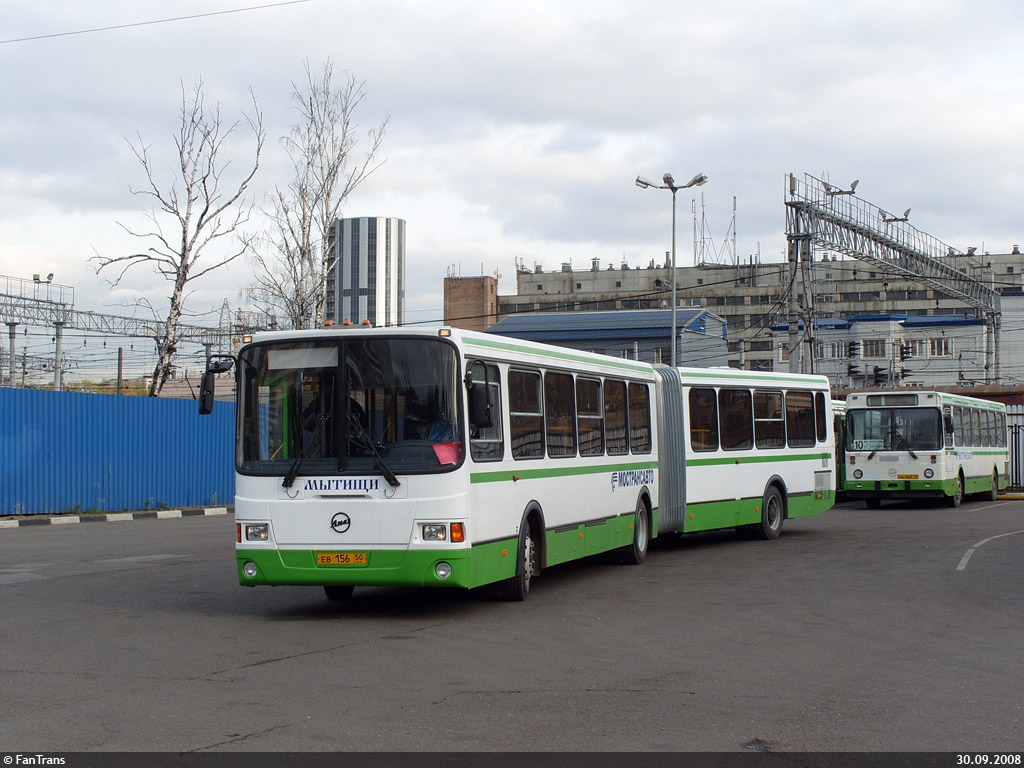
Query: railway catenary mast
{"points": [[821, 214]]}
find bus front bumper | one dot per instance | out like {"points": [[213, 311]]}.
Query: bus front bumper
{"points": [[418, 568], [871, 489]]}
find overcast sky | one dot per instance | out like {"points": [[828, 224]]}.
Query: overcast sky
{"points": [[517, 128]]}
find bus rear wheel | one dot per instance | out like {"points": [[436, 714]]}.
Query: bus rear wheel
{"points": [[516, 588], [634, 553], [772, 513], [991, 495]]}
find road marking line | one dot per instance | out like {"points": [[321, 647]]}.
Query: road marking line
{"points": [[983, 542], [990, 506]]}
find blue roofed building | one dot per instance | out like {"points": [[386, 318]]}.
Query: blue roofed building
{"points": [[645, 334]]}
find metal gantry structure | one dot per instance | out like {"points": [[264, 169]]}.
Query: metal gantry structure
{"points": [[823, 215], [43, 303]]}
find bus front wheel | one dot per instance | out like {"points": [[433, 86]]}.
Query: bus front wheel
{"points": [[517, 587], [772, 513], [958, 493]]}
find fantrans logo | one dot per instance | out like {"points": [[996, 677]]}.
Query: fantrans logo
{"points": [[631, 478]]}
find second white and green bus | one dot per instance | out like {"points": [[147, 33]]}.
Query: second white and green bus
{"points": [[905, 444], [442, 457]]}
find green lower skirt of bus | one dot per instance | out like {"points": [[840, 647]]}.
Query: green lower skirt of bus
{"points": [[730, 513], [341, 566], [592, 538]]}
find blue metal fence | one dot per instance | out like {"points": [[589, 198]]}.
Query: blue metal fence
{"points": [[73, 452]]}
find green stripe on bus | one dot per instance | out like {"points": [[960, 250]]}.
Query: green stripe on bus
{"points": [[974, 403], [953, 452], [804, 379], [505, 346], [757, 459], [506, 475]]}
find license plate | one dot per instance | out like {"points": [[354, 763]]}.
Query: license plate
{"points": [[906, 477], [341, 558]]}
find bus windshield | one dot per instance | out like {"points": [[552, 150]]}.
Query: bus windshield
{"points": [[894, 429], [347, 406]]}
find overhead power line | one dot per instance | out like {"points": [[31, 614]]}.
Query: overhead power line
{"points": [[148, 23]]}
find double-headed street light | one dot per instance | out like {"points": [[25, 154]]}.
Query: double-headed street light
{"points": [[669, 183]]}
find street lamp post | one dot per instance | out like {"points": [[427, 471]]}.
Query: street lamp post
{"points": [[669, 183]]}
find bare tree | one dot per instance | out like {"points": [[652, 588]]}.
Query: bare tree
{"points": [[294, 264], [201, 208]]}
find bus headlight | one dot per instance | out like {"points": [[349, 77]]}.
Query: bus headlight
{"points": [[857, 474], [443, 570], [435, 532], [259, 532], [929, 473], [250, 569]]}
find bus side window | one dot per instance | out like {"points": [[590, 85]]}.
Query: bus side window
{"points": [[769, 428], [617, 436], [559, 415], [800, 419], [639, 418], [819, 416], [526, 420], [703, 420], [485, 437], [736, 417], [589, 417], [947, 426]]}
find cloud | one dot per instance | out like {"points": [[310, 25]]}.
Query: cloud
{"points": [[517, 128]]}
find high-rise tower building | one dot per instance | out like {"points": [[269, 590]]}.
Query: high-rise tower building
{"points": [[367, 281]]}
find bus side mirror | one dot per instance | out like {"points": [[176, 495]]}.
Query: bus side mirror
{"points": [[207, 385], [948, 420], [206, 394], [479, 408]]}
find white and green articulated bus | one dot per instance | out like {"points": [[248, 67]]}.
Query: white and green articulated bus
{"points": [[906, 443], [442, 457]]}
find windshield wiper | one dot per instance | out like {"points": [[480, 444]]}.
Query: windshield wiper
{"points": [[377, 458], [293, 472], [899, 439]]}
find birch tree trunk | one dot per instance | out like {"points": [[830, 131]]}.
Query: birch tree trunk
{"points": [[199, 206]]}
